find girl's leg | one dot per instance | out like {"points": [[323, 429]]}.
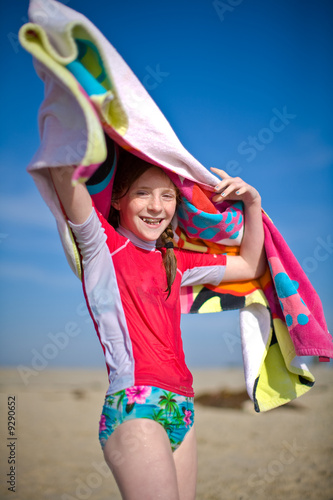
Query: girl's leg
{"points": [[185, 458], [139, 455]]}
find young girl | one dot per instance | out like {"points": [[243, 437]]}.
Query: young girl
{"points": [[131, 278]]}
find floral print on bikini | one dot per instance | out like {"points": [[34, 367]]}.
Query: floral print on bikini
{"points": [[173, 411]]}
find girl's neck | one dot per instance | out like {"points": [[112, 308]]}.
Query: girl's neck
{"points": [[146, 245]]}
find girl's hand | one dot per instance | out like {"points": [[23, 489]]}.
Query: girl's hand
{"points": [[234, 188], [251, 262]]}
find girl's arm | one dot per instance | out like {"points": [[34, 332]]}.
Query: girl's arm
{"points": [[251, 262], [75, 200]]}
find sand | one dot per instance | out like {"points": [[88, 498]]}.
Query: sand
{"points": [[284, 453]]}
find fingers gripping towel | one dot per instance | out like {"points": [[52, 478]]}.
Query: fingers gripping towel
{"points": [[94, 108]]}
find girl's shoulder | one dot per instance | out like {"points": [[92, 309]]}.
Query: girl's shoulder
{"points": [[114, 240]]}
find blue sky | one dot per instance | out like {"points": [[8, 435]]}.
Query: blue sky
{"points": [[223, 75]]}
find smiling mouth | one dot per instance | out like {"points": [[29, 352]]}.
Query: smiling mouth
{"points": [[151, 221]]}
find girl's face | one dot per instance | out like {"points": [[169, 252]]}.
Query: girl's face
{"points": [[149, 205]]}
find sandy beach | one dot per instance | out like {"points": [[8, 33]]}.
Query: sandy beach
{"points": [[284, 453]]}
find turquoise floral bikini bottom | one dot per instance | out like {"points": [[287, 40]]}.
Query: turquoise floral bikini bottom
{"points": [[173, 411]]}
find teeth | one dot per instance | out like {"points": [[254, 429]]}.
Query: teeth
{"points": [[151, 221]]}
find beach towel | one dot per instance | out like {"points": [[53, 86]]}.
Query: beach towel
{"points": [[94, 108]]}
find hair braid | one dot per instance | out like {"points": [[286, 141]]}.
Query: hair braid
{"points": [[169, 258]]}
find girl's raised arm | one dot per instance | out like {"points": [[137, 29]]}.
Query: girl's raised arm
{"points": [[251, 262], [75, 200]]}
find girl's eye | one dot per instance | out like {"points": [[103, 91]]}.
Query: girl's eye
{"points": [[141, 193], [168, 196]]}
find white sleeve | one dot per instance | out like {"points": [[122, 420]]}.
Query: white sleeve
{"points": [[90, 237], [203, 275]]}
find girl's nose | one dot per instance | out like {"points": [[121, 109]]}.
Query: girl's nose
{"points": [[155, 204]]}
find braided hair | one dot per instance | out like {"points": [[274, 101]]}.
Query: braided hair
{"points": [[129, 169], [169, 258]]}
